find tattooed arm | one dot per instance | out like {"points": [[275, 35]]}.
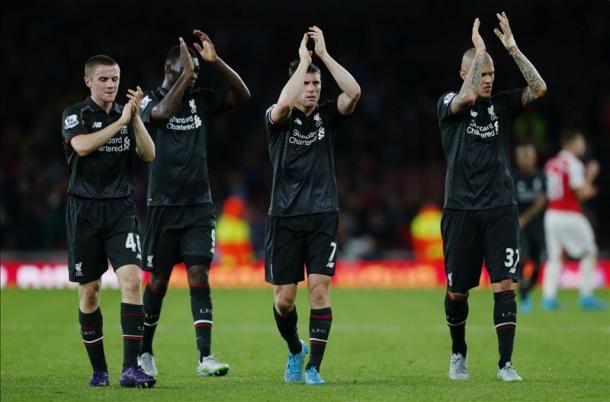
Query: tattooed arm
{"points": [[472, 81], [536, 87]]}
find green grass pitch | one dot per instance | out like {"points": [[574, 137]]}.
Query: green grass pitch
{"points": [[384, 345]]}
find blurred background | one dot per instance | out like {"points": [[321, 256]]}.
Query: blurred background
{"points": [[389, 160]]}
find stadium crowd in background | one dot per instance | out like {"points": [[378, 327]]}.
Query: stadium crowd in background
{"points": [[389, 162]]}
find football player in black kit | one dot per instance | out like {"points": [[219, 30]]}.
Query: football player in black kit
{"points": [[531, 198], [480, 221], [180, 220], [100, 139], [303, 216]]}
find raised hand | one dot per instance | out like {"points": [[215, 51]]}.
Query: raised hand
{"points": [[317, 35], [185, 57], [206, 50], [477, 40], [505, 34], [135, 99], [128, 111], [304, 53]]}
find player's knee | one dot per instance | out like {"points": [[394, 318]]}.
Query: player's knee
{"points": [[457, 296], [284, 303], [198, 274], [89, 296], [158, 283], [319, 297], [503, 285], [130, 284]]}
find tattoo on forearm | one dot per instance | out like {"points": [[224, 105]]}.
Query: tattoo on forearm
{"points": [[477, 67], [533, 79]]}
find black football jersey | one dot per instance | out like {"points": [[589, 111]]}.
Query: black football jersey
{"points": [[301, 153], [475, 143], [108, 171]]}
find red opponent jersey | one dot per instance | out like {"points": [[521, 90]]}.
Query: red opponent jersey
{"points": [[564, 173]]}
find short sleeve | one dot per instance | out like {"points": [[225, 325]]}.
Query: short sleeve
{"points": [[272, 128], [576, 171], [336, 119], [443, 106], [148, 103], [72, 124], [214, 99], [512, 101]]}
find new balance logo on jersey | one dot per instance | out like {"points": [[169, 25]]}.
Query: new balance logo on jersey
{"points": [[79, 269], [473, 113], [317, 119], [124, 130], [149, 261], [96, 124], [298, 121], [330, 265], [450, 278]]}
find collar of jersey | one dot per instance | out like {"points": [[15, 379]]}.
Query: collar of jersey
{"points": [[316, 109], [115, 107]]}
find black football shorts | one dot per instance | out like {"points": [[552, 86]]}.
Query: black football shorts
{"points": [[292, 243], [473, 236], [174, 234], [98, 230]]}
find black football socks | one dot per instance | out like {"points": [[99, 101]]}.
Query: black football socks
{"points": [[132, 324], [93, 338], [153, 301], [505, 320], [456, 312], [201, 307], [287, 325], [320, 321]]}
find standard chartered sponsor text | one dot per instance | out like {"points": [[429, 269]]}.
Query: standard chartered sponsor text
{"points": [[115, 144], [191, 122], [487, 131], [299, 139]]}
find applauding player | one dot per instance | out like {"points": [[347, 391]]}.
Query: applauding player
{"points": [[100, 138], [303, 216], [480, 220], [180, 221]]}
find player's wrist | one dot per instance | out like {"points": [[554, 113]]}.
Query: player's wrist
{"points": [[511, 45]]}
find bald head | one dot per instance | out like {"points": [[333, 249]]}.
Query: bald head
{"points": [[469, 56], [483, 89]]}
